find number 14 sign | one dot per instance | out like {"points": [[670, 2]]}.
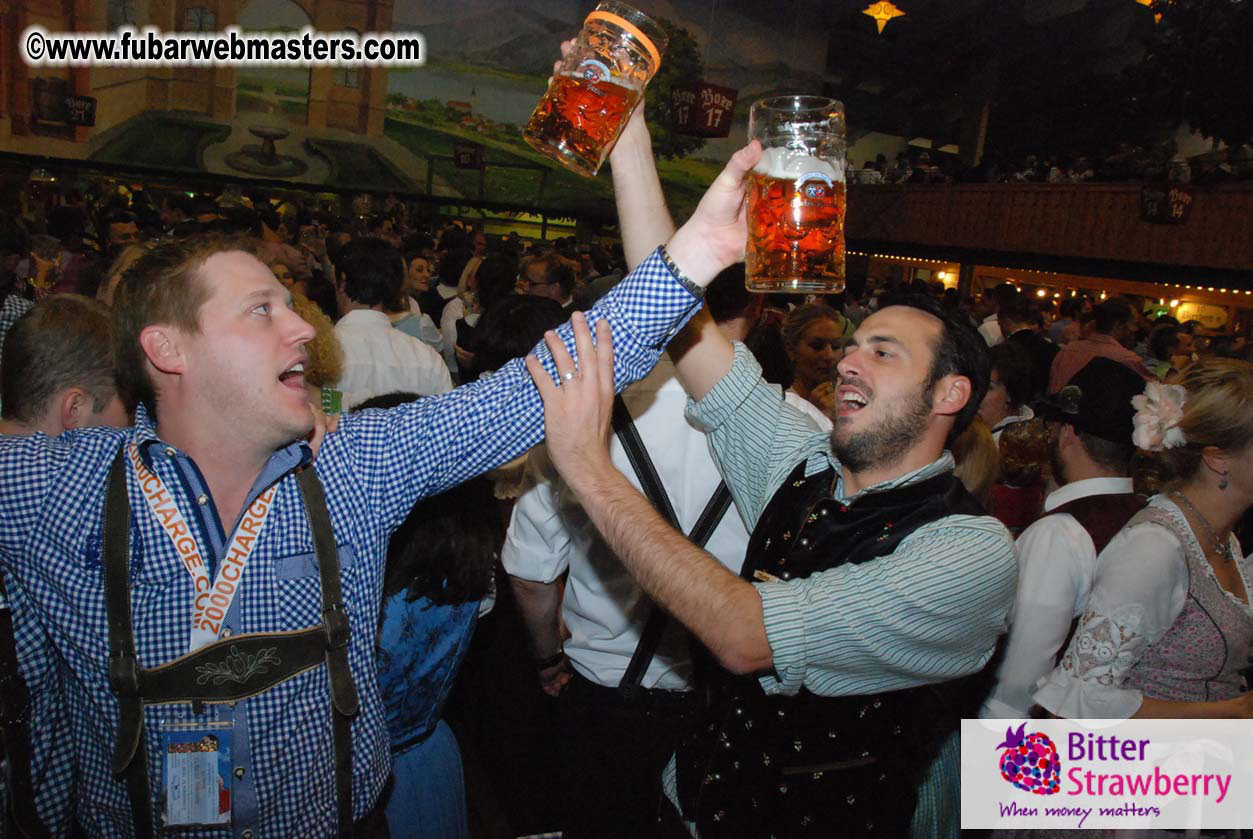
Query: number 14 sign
{"points": [[701, 109]]}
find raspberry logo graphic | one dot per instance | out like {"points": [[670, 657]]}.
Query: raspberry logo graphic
{"points": [[1030, 762]]}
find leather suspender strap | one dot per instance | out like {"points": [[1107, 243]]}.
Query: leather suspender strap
{"points": [[272, 657], [715, 509], [22, 818], [637, 454], [344, 701], [130, 756]]}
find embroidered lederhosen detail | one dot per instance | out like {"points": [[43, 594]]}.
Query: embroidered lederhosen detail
{"points": [[760, 766], [227, 670]]}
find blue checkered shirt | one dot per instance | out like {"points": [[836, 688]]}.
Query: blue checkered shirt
{"points": [[374, 468]]}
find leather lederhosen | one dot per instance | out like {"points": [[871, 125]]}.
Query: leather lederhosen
{"points": [[809, 765], [228, 670]]}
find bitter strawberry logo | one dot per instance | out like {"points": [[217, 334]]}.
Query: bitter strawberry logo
{"points": [[1030, 762]]}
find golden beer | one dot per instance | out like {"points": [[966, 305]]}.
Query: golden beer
{"points": [[796, 197], [597, 86], [580, 120]]}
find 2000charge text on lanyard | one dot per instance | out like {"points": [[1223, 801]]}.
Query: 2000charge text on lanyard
{"points": [[212, 601]]}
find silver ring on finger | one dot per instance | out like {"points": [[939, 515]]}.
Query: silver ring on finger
{"points": [[567, 376]]}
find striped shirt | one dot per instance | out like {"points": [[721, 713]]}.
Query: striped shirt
{"points": [[374, 468], [929, 612]]}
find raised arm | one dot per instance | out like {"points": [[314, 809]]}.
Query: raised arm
{"points": [[642, 212], [439, 442], [722, 610]]}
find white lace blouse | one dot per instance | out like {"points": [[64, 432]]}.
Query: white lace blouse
{"points": [[1140, 589]]}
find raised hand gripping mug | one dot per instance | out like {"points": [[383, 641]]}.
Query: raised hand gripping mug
{"points": [[597, 87]]}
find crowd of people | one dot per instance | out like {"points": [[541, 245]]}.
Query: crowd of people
{"points": [[776, 567], [1125, 163]]}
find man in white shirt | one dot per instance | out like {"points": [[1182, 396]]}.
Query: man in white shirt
{"points": [[377, 358], [990, 328], [1091, 451], [615, 748]]}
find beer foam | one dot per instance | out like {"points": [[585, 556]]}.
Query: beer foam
{"points": [[788, 164]]}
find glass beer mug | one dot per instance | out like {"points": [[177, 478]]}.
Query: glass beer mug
{"points": [[597, 87], [796, 196]]}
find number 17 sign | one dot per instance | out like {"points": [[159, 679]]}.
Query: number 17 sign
{"points": [[701, 109]]}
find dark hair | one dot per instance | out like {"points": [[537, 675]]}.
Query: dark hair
{"points": [[1004, 294], [1012, 364], [415, 243], [181, 202], [446, 548], [1162, 340], [1110, 315], [765, 342], [371, 271], [1108, 453], [322, 293], [1070, 307], [240, 220], [204, 205], [727, 297], [602, 262], [165, 285], [269, 216], [494, 280], [960, 351], [1018, 310], [454, 239], [512, 327], [451, 265], [563, 275], [416, 253], [118, 217], [66, 224], [62, 342]]}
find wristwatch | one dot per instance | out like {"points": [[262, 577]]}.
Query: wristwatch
{"points": [[684, 280]]}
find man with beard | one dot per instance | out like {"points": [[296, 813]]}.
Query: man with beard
{"points": [[1090, 451], [873, 586]]}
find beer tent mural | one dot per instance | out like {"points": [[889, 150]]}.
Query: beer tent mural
{"points": [[281, 92], [398, 129], [391, 128]]}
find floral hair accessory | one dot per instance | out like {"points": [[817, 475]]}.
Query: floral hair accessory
{"points": [[1159, 411]]}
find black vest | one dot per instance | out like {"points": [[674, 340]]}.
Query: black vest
{"points": [[808, 765], [432, 303]]}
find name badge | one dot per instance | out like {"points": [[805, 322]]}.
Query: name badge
{"points": [[196, 775]]}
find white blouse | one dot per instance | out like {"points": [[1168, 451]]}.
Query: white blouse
{"points": [[1140, 590], [807, 408]]}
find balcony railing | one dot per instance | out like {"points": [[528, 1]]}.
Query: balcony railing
{"points": [[1083, 221]]}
